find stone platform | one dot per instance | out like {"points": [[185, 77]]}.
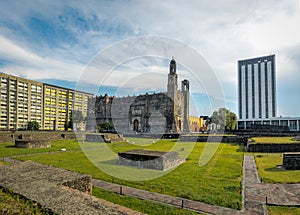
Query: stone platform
{"points": [[291, 160], [104, 137], [149, 159], [56, 190], [26, 141]]}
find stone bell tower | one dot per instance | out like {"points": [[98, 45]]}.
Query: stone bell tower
{"points": [[172, 81], [185, 89], [172, 92]]}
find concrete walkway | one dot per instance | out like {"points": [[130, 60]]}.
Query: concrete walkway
{"points": [[252, 199], [257, 195], [162, 198]]}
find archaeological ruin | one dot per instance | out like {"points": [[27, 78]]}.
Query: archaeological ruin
{"points": [[291, 160], [166, 112], [149, 159]]}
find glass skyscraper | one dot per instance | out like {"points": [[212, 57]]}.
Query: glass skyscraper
{"points": [[257, 88]]}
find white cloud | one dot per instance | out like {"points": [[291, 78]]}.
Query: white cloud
{"points": [[221, 31], [33, 66]]}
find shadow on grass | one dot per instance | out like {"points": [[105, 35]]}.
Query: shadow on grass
{"points": [[275, 169], [12, 146]]}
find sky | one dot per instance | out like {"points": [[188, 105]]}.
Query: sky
{"points": [[71, 42]]}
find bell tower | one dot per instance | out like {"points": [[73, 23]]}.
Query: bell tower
{"points": [[185, 90], [172, 81]]}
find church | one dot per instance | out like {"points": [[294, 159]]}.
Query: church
{"points": [[158, 113]]}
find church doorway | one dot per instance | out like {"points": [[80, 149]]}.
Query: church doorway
{"points": [[135, 125]]}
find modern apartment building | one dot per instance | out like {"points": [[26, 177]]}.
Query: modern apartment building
{"points": [[257, 88], [58, 105], [24, 100], [21, 102]]}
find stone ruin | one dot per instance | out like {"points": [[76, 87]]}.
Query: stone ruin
{"points": [[26, 141], [104, 137], [291, 160], [149, 159], [56, 190]]}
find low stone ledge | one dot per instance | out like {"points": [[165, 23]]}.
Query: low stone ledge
{"points": [[212, 138], [273, 147], [30, 144], [60, 191], [105, 137], [291, 161], [149, 159]]}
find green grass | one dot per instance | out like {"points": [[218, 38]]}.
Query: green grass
{"points": [[216, 183], [4, 163], [11, 203], [144, 206], [268, 171], [283, 210], [274, 140], [9, 149]]}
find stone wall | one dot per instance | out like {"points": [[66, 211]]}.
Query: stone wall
{"points": [[150, 159], [30, 144], [105, 137], [58, 191], [273, 148], [291, 161], [148, 113], [94, 138], [9, 136], [212, 138]]}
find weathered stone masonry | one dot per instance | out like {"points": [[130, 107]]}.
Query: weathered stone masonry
{"points": [[166, 112]]}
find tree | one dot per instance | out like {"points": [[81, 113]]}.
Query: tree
{"points": [[224, 118], [33, 125], [105, 126], [231, 120]]}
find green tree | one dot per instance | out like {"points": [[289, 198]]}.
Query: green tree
{"points": [[105, 126], [33, 125], [224, 118], [231, 121]]}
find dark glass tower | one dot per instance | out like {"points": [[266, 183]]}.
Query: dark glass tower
{"points": [[257, 88]]}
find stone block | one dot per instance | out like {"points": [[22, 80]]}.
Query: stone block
{"points": [[149, 159], [291, 161], [105, 137], [30, 144], [58, 191]]}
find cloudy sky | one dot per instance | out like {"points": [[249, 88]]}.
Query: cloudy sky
{"points": [[60, 42]]}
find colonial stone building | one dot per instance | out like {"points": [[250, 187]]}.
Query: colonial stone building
{"points": [[166, 112]]}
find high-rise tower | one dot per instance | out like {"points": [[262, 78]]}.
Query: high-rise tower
{"points": [[257, 88]]}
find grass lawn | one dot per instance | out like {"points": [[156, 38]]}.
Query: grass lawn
{"points": [[217, 182], [9, 149], [144, 206], [11, 203], [274, 140], [281, 210], [267, 170]]}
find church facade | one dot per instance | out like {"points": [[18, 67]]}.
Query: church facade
{"points": [[158, 113]]}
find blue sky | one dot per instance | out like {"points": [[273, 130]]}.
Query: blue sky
{"points": [[58, 41]]}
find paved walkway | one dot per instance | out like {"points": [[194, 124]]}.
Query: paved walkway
{"points": [[257, 195], [166, 199], [250, 195]]}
